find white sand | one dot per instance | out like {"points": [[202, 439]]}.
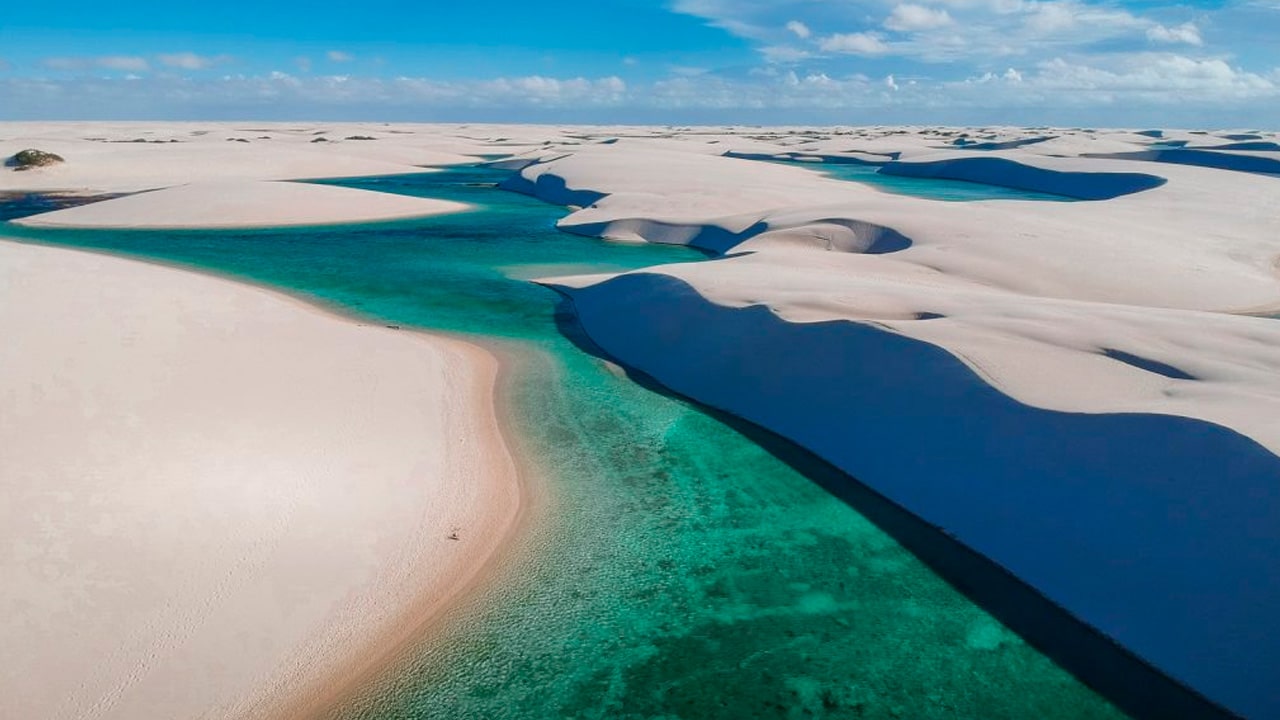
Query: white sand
{"points": [[1136, 304], [102, 157], [217, 497], [243, 203], [209, 178], [1113, 270]]}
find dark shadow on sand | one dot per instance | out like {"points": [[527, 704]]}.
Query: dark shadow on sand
{"points": [[1162, 531]]}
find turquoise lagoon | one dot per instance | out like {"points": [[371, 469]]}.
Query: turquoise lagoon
{"points": [[681, 570]]}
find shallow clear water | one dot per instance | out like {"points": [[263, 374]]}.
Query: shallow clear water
{"points": [[683, 571], [929, 188]]}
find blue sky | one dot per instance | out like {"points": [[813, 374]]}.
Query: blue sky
{"points": [[1144, 62]]}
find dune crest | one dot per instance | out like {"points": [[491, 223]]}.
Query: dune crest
{"points": [[242, 203]]}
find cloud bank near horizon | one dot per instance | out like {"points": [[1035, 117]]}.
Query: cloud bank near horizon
{"points": [[788, 61]]}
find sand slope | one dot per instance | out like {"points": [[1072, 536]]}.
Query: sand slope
{"points": [[217, 497], [242, 203], [217, 174]]}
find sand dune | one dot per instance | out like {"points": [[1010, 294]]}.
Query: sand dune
{"points": [[1078, 391], [126, 157], [219, 174], [242, 203], [218, 498], [1019, 374], [1086, 250]]}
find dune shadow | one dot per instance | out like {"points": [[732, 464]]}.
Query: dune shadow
{"points": [[1147, 364], [1140, 552], [966, 144], [1012, 174], [715, 240], [17, 205], [550, 188], [811, 159], [1208, 158]]}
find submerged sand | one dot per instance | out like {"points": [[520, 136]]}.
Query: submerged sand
{"points": [[216, 496]]}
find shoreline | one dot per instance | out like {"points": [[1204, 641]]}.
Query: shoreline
{"points": [[327, 697], [306, 686]]}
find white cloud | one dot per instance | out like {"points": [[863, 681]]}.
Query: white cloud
{"points": [[538, 89], [1149, 80], [284, 78], [1054, 90], [936, 31], [1009, 76], [784, 53], [191, 61], [303, 62], [859, 43], [1052, 17], [787, 91], [120, 63], [123, 63], [687, 70], [799, 29], [909, 18], [730, 16], [1186, 33], [339, 56], [67, 63], [1169, 77]]}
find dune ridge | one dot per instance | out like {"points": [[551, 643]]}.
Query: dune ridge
{"points": [[230, 203]]}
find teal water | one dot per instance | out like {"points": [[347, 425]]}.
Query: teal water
{"points": [[930, 188], [683, 571]]}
